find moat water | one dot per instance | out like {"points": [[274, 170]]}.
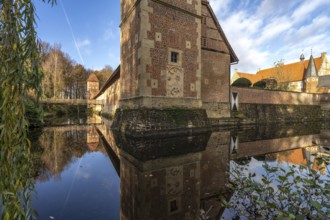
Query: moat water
{"points": [[89, 172]]}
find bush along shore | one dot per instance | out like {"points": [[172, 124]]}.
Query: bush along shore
{"points": [[45, 114]]}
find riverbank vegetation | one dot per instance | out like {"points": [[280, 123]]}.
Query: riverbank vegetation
{"points": [[63, 77], [280, 191], [20, 75]]}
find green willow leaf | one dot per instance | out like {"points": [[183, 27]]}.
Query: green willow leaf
{"points": [[19, 75]]}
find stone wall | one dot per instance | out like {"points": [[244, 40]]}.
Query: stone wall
{"points": [[110, 98], [156, 122], [92, 89], [263, 106], [269, 113], [215, 66], [217, 109], [259, 96]]}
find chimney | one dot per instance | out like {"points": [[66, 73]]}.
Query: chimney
{"points": [[323, 55]]}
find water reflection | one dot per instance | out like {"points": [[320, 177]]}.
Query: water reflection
{"points": [[75, 178], [183, 178], [90, 172]]}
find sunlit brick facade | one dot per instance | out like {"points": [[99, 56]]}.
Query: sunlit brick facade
{"points": [[174, 54]]}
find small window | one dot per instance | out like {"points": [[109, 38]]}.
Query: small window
{"points": [[173, 206], [174, 57]]}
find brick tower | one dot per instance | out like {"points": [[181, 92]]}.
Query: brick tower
{"points": [[161, 53], [174, 54]]}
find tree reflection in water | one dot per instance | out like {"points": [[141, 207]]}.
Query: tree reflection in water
{"points": [[57, 147], [174, 177], [16, 186]]}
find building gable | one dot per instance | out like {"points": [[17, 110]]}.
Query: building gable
{"points": [[213, 37]]}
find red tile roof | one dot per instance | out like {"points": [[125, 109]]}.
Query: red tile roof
{"points": [[92, 78], [287, 73]]}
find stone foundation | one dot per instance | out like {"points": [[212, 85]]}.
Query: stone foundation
{"points": [[266, 113], [155, 122]]}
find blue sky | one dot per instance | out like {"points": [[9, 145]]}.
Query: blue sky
{"points": [[260, 31], [90, 35], [265, 31]]}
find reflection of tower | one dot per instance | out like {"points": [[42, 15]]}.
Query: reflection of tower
{"points": [[161, 189], [214, 176], [92, 138], [174, 187]]}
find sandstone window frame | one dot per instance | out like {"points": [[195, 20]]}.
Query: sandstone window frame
{"points": [[175, 57]]}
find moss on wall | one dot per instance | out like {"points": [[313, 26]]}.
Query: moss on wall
{"points": [[149, 122], [266, 113]]}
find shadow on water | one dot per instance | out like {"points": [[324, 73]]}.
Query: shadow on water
{"points": [[91, 172]]}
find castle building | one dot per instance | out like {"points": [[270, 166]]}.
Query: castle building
{"points": [[310, 76], [174, 54]]}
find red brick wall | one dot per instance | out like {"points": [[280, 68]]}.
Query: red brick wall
{"points": [[150, 30], [129, 49], [183, 4], [258, 96], [215, 61], [215, 77], [176, 29]]}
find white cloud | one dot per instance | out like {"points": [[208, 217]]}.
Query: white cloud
{"points": [[262, 32], [273, 29], [83, 46], [83, 43], [307, 7], [220, 6], [318, 25]]}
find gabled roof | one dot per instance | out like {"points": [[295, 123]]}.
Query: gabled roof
{"points": [[92, 78], [233, 56], [291, 72], [252, 77]]}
